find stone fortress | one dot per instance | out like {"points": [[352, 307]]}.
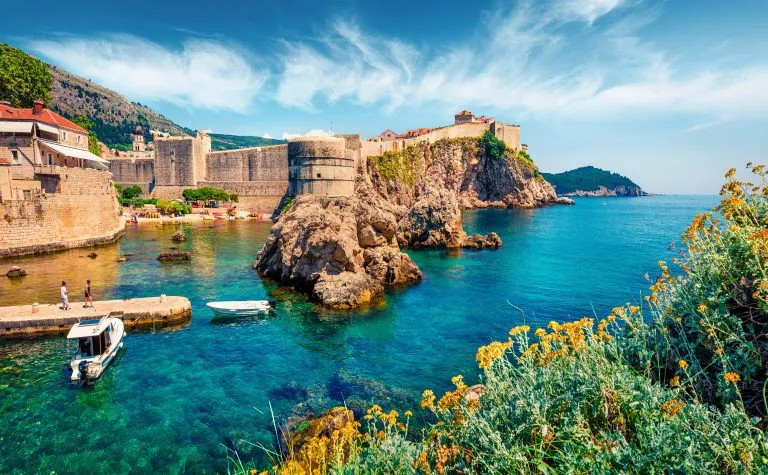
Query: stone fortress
{"points": [[262, 176]]}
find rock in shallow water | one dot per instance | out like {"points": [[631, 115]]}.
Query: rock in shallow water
{"points": [[178, 237], [478, 241], [15, 272], [174, 256]]}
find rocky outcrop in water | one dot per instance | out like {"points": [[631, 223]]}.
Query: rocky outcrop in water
{"points": [[622, 190], [15, 272], [344, 251], [340, 250]]}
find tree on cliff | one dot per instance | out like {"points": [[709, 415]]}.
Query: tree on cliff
{"points": [[23, 79], [87, 124]]}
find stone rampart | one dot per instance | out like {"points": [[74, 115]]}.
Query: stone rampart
{"points": [[320, 166], [128, 172], [83, 212]]}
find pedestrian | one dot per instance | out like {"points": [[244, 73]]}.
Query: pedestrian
{"points": [[88, 296], [64, 296]]}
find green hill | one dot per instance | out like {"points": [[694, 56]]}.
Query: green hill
{"points": [[229, 142], [24, 78], [593, 181]]}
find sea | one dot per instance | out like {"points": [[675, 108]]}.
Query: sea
{"points": [[199, 397]]}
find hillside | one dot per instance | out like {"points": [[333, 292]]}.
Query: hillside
{"points": [[114, 116], [592, 181], [24, 78], [228, 142]]}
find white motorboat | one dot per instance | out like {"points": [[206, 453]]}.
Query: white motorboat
{"points": [[242, 308], [97, 344]]}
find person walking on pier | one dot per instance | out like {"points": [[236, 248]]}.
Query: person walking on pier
{"points": [[88, 296], [64, 296]]}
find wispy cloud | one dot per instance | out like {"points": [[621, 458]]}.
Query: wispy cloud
{"points": [[202, 73], [311, 133], [552, 58]]}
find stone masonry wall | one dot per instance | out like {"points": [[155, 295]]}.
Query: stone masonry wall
{"points": [[85, 212], [133, 171], [175, 161]]}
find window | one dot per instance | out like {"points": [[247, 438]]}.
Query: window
{"points": [[63, 135], [319, 176], [15, 155], [50, 159]]}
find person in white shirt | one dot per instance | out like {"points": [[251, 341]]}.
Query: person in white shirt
{"points": [[64, 296]]}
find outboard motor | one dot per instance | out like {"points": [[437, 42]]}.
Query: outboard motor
{"points": [[272, 302], [83, 368]]}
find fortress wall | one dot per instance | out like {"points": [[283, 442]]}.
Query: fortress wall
{"points": [[139, 171], [320, 166], [259, 196], [509, 134], [169, 192], [175, 162], [84, 213], [227, 167], [249, 164]]}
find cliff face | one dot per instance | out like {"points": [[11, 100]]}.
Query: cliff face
{"points": [[343, 251]]}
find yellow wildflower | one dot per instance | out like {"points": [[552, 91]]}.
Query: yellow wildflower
{"points": [[683, 364], [702, 308], [540, 332], [519, 329], [675, 382], [428, 400], [672, 407], [731, 377], [408, 413], [719, 352]]}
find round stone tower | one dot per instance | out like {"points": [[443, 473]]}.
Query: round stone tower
{"points": [[320, 166]]}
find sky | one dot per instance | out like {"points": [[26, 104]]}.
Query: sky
{"points": [[670, 94]]}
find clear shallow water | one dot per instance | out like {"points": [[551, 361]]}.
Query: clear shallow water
{"points": [[175, 400]]}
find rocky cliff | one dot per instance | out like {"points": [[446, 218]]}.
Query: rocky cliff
{"points": [[343, 251]]}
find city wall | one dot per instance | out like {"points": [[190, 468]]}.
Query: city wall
{"points": [[82, 212]]}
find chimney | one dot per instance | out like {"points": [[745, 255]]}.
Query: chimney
{"points": [[37, 107]]}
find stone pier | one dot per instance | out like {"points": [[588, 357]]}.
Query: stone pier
{"points": [[24, 320]]}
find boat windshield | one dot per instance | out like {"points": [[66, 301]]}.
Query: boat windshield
{"points": [[94, 345]]}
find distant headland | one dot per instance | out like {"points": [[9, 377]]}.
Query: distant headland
{"points": [[592, 181]]}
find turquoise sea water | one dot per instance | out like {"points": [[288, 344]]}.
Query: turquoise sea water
{"points": [[179, 400]]}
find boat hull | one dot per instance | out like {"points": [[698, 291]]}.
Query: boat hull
{"points": [[98, 364], [240, 309]]}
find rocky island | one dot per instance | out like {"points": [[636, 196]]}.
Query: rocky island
{"points": [[592, 181], [343, 250]]}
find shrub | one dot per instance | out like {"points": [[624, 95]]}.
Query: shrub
{"points": [[131, 192], [494, 147], [207, 193], [714, 315], [172, 207]]}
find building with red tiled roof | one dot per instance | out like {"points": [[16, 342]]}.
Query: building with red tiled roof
{"points": [[414, 133], [32, 139]]}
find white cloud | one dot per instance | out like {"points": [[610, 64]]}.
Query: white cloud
{"points": [[531, 59], [311, 133], [586, 10], [202, 73]]}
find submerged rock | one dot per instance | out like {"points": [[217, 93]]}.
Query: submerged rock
{"points": [[174, 256], [15, 272], [178, 237], [93, 255], [478, 241]]}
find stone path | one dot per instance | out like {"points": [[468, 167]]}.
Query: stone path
{"points": [[150, 311]]}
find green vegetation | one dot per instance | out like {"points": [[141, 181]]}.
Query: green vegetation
{"points": [[229, 142], [23, 79], [93, 140], [172, 207], [287, 203], [494, 147], [586, 179], [403, 166], [675, 385], [208, 193], [138, 202], [131, 192]]}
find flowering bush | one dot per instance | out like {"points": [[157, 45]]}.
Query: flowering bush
{"points": [[680, 388]]}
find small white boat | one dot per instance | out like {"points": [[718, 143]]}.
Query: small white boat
{"points": [[241, 308], [97, 344]]}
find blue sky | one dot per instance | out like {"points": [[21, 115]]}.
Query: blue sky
{"points": [[669, 93]]}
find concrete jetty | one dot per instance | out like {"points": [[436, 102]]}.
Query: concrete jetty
{"points": [[28, 320]]}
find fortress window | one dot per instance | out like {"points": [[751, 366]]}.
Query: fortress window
{"points": [[15, 154], [318, 175], [173, 154]]}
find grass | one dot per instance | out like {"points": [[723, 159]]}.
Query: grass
{"points": [[675, 386]]}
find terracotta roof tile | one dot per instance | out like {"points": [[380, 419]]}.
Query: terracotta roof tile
{"points": [[47, 116]]}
